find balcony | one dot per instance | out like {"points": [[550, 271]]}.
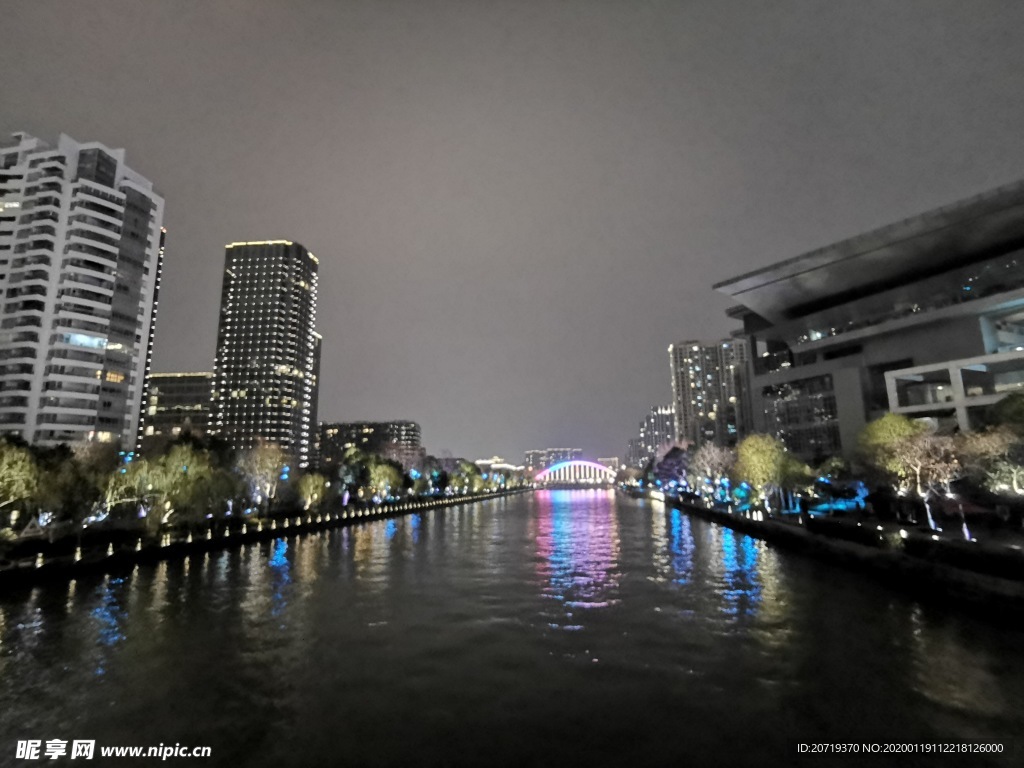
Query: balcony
{"points": [[32, 275], [961, 387], [99, 196], [87, 284], [87, 244], [21, 354], [87, 298], [75, 311]]}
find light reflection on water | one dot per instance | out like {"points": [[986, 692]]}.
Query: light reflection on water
{"points": [[578, 548], [524, 618], [681, 546]]}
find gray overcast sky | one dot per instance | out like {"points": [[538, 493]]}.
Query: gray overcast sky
{"points": [[519, 205]]}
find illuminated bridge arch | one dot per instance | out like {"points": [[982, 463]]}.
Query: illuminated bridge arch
{"points": [[579, 474]]}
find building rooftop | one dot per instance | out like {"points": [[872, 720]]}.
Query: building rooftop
{"points": [[970, 230]]}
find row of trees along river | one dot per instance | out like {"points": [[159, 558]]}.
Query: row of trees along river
{"points": [[911, 468], [195, 484]]}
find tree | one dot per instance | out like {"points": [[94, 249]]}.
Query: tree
{"points": [[312, 489], [794, 477], [910, 456], [712, 462], [884, 446], [19, 475], [833, 468], [183, 482], [384, 477], [212, 491], [671, 467], [354, 472], [421, 485], [131, 484], [65, 488], [760, 463], [262, 466], [97, 460], [1008, 412], [994, 458], [466, 475], [935, 465], [766, 465]]}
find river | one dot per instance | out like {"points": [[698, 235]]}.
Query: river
{"points": [[554, 628]]}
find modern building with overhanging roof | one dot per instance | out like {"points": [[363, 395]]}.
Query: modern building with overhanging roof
{"points": [[828, 329]]}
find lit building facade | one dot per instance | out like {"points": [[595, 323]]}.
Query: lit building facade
{"points": [[268, 352], [497, 464], [554, 456], [635, 456], [548, 457], [81, 251], [533, 459], [396, 440], [924, 317], [709, 382], [177, 403], [656, 431]]}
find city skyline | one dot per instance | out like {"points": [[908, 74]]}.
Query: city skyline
{"points": [[490, 185]]}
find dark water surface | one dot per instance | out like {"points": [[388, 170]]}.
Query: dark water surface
{"points": [[560, 628]]}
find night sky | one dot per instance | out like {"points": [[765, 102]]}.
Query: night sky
{"points": [[518, 205]]}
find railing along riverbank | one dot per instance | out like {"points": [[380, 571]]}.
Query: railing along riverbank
{"points": [[69, 556], [912, 558]]}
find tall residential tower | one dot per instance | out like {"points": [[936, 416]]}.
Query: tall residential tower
{"points": [[268, 353], [81, 249], [709, 390]]}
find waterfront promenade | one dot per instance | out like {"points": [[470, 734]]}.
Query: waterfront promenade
{"points": [[35, 558], [986, 573]]}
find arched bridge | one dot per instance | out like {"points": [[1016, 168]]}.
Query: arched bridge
{"points": [[575, 474]]}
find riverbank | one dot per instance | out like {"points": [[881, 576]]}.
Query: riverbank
{"points": [[969, 572], [70, 556]]}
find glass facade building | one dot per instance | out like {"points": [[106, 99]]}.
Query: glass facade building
{"points": [[268, 351]]}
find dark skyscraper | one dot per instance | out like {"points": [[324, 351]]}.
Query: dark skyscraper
{"points": [[265, 376], [177, 402], [398, 440]]}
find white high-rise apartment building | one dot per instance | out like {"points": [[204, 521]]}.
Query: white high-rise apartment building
{"points": [[709, 383], [81, 249]]}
